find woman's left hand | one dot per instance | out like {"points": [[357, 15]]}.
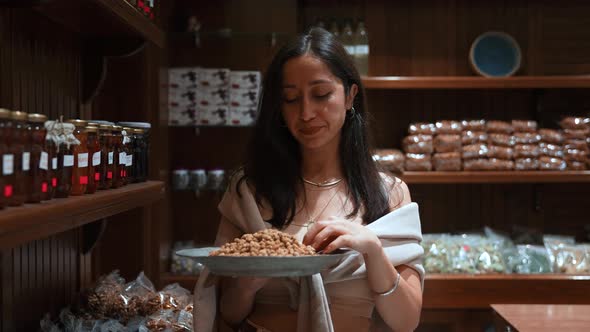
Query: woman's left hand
{"points": [[329, 235]]}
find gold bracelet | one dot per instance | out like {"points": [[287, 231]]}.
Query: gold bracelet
{"points": [[389, 292]]}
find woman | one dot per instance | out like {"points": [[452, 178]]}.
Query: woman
{"points": [[310, 174]]}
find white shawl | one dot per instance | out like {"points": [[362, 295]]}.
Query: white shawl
{"points": [[400, 235]]}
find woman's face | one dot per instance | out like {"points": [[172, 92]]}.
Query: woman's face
{"points": [[314, 102]]}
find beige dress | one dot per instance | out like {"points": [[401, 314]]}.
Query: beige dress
{"points": [[351, 302]]}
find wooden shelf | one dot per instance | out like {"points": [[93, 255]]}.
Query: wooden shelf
{"points": [[104, 18], [36, 221], [452, 291], [496, 177], [475, 82]]}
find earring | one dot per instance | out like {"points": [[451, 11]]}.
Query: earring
{"points": [[352, 111]]}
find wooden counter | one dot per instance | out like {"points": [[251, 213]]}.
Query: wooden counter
{"points": [[543, 317]]}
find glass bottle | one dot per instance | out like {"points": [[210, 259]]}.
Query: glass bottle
{"points": [[94, 155], [65, 159], [37, 185], [120, 156], [128, 148], [361, 54], [52, 139], [107, 157], [17, 145], [80, 169], [348, 38], [4, 132]]}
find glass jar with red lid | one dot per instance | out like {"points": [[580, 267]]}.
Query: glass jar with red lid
{"points": [[94, 155], [37, 185], [107, 164], [18, 149], [120, 156], [5, 118], [65, 159], [80, 168]]}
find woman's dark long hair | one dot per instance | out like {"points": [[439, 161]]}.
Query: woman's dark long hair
{"points": [[273, 166]]}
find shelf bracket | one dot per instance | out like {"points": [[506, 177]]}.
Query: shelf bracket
{"points": [[95, 55], [91, 234]]}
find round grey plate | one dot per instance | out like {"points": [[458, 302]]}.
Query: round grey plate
{"points": [[261, 266]]}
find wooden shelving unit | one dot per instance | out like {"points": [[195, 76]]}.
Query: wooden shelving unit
{"points": [[459, 291], [476, 82], [30, 222], [496, 177], [103, 18]]}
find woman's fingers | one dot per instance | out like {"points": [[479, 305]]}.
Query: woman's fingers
{"points": [[343, 241]]}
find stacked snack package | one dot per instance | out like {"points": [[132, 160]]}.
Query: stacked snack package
{"points": [[576, 131], [475, 149], [213, 96], [182, 96], [418, 147], [390, 159], [551, 150], [136, 306], [447, 146], [244, 95], [501, 146], [526, 148]]}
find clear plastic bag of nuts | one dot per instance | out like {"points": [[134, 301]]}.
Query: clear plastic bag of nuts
{"points": [[497, 126], [418, 144], [551, 136], [447, 143], [422, 128], [574, 122], [390, 159], [524, 126], [449, 127], [471, 137], [418, 162], [447, 161], [474, 125]]}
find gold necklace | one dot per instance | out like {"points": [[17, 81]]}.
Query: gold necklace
{"points": [[310, 220], [322, 184]]}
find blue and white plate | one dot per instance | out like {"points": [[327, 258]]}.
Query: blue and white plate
{"points": [[495, 54]]}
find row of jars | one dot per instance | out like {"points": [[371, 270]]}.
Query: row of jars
{"points": [[44, 159]]}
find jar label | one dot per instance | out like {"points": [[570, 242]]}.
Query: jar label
{"points": [[8, 190], [82, 160], [26, 161], [44, 161], [122, 158], [96, 158], [54, 163], [68, 160], [44, 187], [111, 157], [7, 164], [129, 160]]}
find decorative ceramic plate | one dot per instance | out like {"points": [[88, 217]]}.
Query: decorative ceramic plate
{"points": [[262, 266], [495, 54]]}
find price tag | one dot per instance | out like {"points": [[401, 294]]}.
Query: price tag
{"points": [[7, 164], [83, 160], [68, 160], [26, 161], [96, 159], [44, 161]]}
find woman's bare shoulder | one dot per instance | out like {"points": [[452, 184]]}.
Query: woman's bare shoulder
{"points": [[399, 193]]}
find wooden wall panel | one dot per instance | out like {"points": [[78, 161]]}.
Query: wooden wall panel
{"points": [[39, 73], [38, 278], [40, 65]]}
